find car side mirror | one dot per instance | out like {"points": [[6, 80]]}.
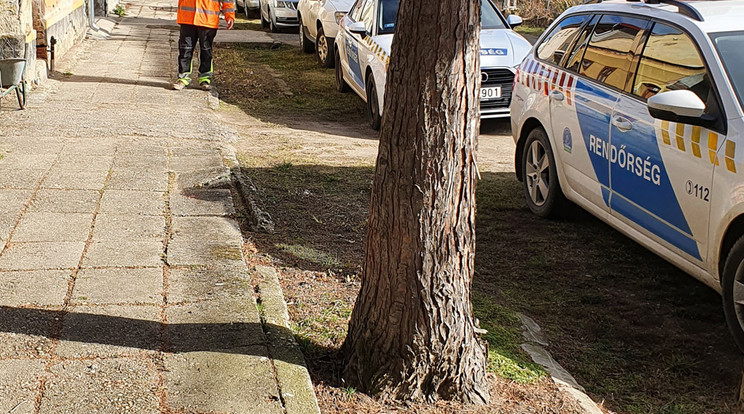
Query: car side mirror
{"points": [[513, 20], [357, 28], [677, 106]]}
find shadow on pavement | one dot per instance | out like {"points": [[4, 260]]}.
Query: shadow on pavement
{"points": [[245, 338]]}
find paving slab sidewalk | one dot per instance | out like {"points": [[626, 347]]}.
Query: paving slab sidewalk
{"points": [[123, 284]]}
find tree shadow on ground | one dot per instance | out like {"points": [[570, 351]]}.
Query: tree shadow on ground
{"points": [[244, 338], [635, 331]]}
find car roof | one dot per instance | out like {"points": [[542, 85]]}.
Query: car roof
{"points": [[718, 16]]}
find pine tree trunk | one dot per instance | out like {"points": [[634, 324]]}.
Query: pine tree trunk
{"points": [[412, 333]]}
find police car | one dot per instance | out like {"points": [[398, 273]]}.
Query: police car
{"points": [[633, 111], [319, 26], [362, 53]]}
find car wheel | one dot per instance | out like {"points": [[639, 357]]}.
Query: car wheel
{"points": [[323, 49], [341, 84], [540, 177], [264, 22], [373, 105], [305, 44], [272, 23], [732, 291], [245, 9]]}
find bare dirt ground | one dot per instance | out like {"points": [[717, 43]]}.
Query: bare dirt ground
{"points": [[638, 334]]}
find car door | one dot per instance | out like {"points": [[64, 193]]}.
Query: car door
{"points": [[661, 186], [355, 48], [577, 114]]}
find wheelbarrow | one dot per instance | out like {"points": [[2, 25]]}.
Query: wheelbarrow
{"points": [[11, 79]]}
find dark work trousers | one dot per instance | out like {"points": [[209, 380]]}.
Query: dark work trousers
{"points": [[190, 34]]}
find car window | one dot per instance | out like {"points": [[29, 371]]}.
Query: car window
{"points": [[356, 10], [490, 17], [388, 15], [555, 45], [610, 52], [367, 15], [670, 61], [729, 46], [574, 59]]}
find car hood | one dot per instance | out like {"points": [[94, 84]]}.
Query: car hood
{"points": [[502, 47], [499, 47]]}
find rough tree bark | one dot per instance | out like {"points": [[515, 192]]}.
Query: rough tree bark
{"points": [[412, 334]]}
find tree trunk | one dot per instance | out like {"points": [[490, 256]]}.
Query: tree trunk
{"points": [[412, 334]]}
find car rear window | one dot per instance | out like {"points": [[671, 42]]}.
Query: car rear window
{"points": [[556, 44]]}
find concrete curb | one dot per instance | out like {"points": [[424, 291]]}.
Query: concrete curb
{"points": [[259, 219], [298, 395], [566, 383]]}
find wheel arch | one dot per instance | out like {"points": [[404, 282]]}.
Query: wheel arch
{"points": [[734, 232], [527, 127]]}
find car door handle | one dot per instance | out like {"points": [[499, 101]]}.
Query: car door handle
{"points": [[622, 123], [557, 95]]}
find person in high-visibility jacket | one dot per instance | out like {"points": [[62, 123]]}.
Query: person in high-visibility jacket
{"points": [[199, 20]]}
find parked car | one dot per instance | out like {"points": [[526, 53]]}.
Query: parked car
{"points": [[248, 6], [362, 52], [318, 21], [633, 112], [278, 14]]}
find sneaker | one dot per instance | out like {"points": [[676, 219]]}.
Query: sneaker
{"points": [[205, 86], [178, 85]]}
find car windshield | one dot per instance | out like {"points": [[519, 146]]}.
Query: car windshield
{"points": [[490, 17], [729, 46]]}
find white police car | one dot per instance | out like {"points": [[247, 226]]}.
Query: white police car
{"points": [[362, 53], [319, 26], [633, 111]]}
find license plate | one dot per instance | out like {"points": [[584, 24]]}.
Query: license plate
{"points": [[492, 92]]}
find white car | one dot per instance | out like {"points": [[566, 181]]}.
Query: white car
{"points": [[319, 25], [633, 111], [247, 6], [278, 14], [362, 52]]}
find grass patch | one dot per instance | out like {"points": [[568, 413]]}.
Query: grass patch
{"points": [[533, 31], [242, 23], [311, 255], [505, 355], [635, 331], [282, 84]]}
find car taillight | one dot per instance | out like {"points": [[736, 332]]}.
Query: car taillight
{"points": [[516, 76]]}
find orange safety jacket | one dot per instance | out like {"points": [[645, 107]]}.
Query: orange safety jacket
{"points": [[205, 13]]}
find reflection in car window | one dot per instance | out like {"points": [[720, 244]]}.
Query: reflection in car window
{"points": [[729, 46], [573, 61], [368, 15], [670, 61], [554, 47], [356, 11], [611, 49]]}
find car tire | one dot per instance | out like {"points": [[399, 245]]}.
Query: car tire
{"points": [[272, 24], [540, 177], [264, 22], [373, 105], [324, 49], [341, 85], [305, 44], [732, 290]]}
